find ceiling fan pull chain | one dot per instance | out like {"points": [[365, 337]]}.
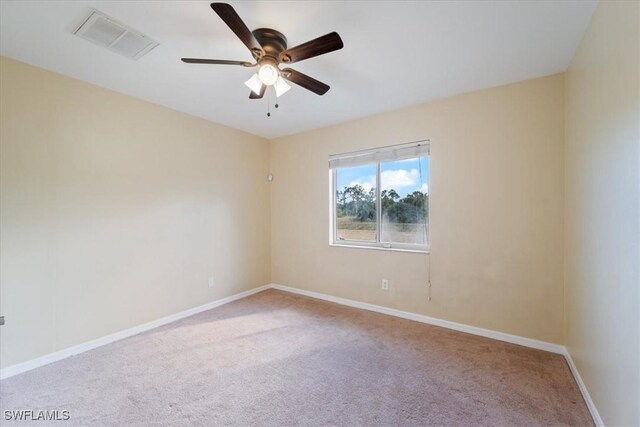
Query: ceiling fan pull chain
{"points": [[268, 104], [276, 102]]}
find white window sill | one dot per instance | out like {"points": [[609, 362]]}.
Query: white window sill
{"points": [[379, 248]]}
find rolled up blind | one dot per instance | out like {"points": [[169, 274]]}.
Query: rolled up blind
{"points": [[383, 154]]}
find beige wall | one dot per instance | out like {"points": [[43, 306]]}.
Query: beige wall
{"points": [[115, 211], [602, 216], [496, 211]]}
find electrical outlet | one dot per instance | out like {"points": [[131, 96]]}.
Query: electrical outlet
{"points": [[212, 282], [385, 285]]}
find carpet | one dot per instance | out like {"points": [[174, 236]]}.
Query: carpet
{"points": [[279, 359]]}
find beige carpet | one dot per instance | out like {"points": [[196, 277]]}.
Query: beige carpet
{"points": [[278, 359]]}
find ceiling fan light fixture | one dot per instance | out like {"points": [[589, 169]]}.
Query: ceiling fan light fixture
{"points": [[281, 86], [254, 84], [268, 74], [269, 49]]}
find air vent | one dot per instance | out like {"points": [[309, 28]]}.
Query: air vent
{"points": [[107, 32]]}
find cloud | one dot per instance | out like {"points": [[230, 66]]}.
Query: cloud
{"points": [[368, 183], [400, 178]]}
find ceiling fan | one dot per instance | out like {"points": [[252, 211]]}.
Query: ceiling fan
{"points": [[269, 49]]}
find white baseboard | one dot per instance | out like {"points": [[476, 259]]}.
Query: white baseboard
{"points": [[90, 345], [501, 336], [583, 389]]}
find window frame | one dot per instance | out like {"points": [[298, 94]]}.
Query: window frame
{"points": [[377, 245]]}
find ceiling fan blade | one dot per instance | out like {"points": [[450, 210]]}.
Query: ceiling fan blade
{"points": [[253, 95], [217, 61], [305, 81], [233, 21], [320, 46]]}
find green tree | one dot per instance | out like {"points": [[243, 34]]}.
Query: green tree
{"points": [[356, 194], [367, 209], [341, 202]]}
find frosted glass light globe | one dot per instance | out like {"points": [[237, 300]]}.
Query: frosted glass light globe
{"points": [[268, 74]]}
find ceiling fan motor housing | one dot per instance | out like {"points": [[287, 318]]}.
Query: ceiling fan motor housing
{"points": [[273, 42]]}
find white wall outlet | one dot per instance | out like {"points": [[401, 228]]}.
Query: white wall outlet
{"points": [[385, 285], [212, 282]]}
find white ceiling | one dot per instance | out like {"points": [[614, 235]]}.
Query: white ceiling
{"points": [[396, 53]]}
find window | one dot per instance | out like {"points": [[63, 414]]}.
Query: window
{"points": [[380, 198]]}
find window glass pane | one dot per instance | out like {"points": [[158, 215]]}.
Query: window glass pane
{"points": [[404, 198], [356, 203]]}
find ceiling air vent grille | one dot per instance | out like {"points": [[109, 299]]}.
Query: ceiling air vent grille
{"points": [[107, 32]]}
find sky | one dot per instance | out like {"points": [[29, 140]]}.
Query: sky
{"points": [[401, 175]]}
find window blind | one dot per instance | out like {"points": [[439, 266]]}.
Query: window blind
{"points": [[382, 154]]}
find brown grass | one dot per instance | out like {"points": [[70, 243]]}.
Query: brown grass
{"points": [[349, 228]]}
